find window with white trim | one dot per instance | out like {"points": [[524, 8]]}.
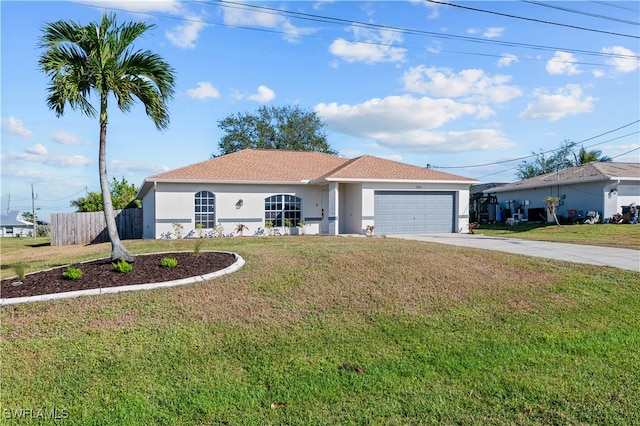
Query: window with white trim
{"points": [[205, 209], [279, 207]]}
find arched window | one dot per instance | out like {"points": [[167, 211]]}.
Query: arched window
{"points": [[279, 207], [205, 209]]}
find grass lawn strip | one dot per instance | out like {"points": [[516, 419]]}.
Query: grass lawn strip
{"points": [[442, 335]]}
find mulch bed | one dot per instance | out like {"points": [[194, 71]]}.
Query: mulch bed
{"points": [[147, 269]]}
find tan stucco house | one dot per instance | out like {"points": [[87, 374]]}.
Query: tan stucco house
{"points": [[330, 194]]}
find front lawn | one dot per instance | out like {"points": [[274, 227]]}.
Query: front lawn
{"points": [[606, 235], [442, 334]]}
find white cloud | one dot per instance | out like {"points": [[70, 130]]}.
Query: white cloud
{"points": [[493, 32], [15, 126], [405, 123], [370, 46], [127, 168], [563, 63], [184, 36], [66, 138], [566, 101], [507, 59], [420, 141], [37, 149], [393, 113], [245, 17], [598, 73], [264, 95], [55, 161], [470, 84], [622, 64], [204, 91]]}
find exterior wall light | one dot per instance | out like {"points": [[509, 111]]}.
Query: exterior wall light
{"points": [[239, 203]]}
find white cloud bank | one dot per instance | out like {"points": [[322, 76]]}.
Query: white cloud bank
{"points": [[203, 91], [405, 123], [566, 101], [563, 63], [625, 62], [16, 127], [185, 36], [263, 95], [472, 85], [370, 46], [237, 16], [66, 138], [37, 149]]}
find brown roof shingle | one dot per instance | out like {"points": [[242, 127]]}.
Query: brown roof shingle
{"points": [[271, 165], [584, 172]]}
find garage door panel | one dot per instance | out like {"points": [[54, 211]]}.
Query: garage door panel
{"points": [[413, 212]]}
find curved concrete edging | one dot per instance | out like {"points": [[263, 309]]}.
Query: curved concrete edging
{"points": [[237, 265]]}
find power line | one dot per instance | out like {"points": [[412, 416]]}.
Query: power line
{"points": [[580, 12], [532, 19], [625, 153], [547, 152], [403, 30], [331, 20]]}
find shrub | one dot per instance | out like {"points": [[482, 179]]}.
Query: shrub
{"points": [[169, 262], [122, 266], [197, 247], [72, 273], [18, 268]]}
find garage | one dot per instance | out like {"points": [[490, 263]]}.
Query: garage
{"points": [[414, 212]]}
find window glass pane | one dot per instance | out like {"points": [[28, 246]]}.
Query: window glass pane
{"points": [[204, 209]]}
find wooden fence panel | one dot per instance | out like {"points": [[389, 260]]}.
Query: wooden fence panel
{"points": [[90, 228]]}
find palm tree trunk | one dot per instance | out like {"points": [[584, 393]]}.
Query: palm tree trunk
{"points": [[118, 251]]}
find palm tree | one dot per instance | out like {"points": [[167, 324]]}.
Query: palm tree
{"points": [[585, 156], [99, 59], [550, 203]]}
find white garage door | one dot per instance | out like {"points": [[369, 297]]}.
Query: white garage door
{"points": [[413, 212]]}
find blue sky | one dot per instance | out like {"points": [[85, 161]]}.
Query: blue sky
{"points": [[480, 85]]}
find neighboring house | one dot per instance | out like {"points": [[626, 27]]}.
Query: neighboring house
{"points": [[596, 186], [332, 195], [12, 225]]}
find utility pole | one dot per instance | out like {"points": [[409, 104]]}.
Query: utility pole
{"points": [[33, 211]]}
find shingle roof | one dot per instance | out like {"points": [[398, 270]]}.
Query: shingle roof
{"points": [[585, 172], [251, 165]]}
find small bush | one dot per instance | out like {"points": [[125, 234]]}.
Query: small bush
{"points": [[18, 268], [197, 247], [72, 273], [122, 266], [169, 262]]}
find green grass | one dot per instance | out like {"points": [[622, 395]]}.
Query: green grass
{"points": [[606, 235], [444, 335]]}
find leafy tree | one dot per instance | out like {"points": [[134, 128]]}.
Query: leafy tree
{"points": [[547, 162], [99, 59], [122, 195], [273, 127]]}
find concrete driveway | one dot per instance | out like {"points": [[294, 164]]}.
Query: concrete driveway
{"points": [[602, 256]]}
